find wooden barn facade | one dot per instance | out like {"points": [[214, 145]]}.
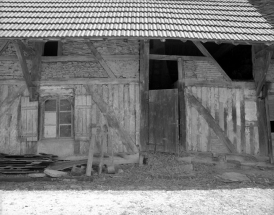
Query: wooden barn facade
{"points": [[139, 76]]}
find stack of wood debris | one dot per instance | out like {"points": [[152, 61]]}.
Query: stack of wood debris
{"points": [[25, 164]]}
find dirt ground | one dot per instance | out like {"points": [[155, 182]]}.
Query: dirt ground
{"points": [[161, 187]]}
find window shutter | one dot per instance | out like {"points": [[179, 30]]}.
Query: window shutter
{"points": [[29, 119], [82, 116]]}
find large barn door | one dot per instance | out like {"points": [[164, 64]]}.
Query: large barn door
{"points": [[163, 120]]}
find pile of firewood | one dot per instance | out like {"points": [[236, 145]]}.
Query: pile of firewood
{"points": [[25, 164]]}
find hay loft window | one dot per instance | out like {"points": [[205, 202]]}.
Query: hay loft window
{"points": [[57, 118], [51, 48]]}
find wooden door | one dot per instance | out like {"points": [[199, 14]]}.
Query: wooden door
{"points": [[163, 120]]}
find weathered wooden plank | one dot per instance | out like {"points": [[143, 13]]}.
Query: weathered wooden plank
{"points": [[247, 139], [144, 96], [8, 101], [229, 119], [204, 126], [194, 124], [177, 57], [220, 83], [132, 110], [182, 104], [242, 114], [197, 92], [137, 117], [210, 120], [207, 54], [74, 58], [113, 121], [238, 119], [222, 106], [252, 141], [188, 122], [256, 141], [102, 62]]}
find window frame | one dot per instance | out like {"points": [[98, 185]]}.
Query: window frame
{"points": [[42, 116]]}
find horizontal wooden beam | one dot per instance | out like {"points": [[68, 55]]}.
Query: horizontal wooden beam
{"points": [[232, 84], [75, 81], [176, 57], [80, 58], [211, 123], [90, 81]]}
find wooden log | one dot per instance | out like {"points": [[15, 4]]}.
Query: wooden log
{"points": [[112, 120], [144, 96], [102, 62], [211, 122], [207, 54]]}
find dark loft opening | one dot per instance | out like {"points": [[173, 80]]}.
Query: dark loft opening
{"points": [[236, 61], [51, 48], [272, 126]]}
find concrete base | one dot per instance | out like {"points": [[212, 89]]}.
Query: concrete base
{"points": [[60, 147]]}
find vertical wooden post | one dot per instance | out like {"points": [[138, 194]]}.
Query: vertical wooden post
{"points": [[182, 104], [270, 148], [144, 94]]}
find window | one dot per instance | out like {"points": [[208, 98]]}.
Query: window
{"points": [[51, 48], [57, 118]]}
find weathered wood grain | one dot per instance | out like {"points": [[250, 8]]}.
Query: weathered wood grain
{"points": [[182, 105], [23, 64], [113, 121], [210, 120], [144, 96]]}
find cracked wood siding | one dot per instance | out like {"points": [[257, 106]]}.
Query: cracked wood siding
{"points": [[234, 110], [123, 98]]}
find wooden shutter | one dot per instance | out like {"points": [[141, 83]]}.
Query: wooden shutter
{"points": [[82, 116], [29, 119]]}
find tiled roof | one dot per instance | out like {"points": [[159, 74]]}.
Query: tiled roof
{"points": [[235, 20]]}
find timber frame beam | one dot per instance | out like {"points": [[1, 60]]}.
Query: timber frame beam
{"points": [[113, 121], [144, 94], [26, 74], [100, 59], [3, 46], [204, 51], [211, 122]]}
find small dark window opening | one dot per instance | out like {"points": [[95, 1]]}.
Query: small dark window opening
{"points": [[51, 48], [272, 126]]}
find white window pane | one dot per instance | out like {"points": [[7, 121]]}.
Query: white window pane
{"points": [[50, 118], [50, 131]]}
